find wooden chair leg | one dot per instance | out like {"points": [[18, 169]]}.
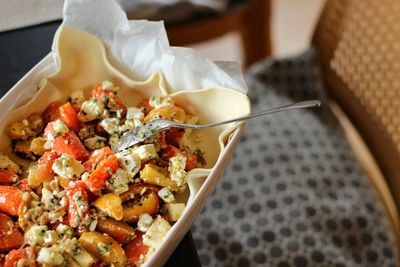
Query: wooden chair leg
{"points": [[256, 32]]}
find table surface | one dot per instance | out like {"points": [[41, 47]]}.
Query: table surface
{"points": [[20, 50]]}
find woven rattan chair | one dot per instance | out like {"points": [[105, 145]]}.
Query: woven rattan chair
{"points": [[359, 47]]}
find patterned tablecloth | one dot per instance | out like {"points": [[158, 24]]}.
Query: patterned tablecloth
{"points": [[294, 193]]}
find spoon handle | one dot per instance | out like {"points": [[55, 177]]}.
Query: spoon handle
{"points": [[298, 105]]}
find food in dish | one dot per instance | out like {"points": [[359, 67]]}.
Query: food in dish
{"points": [[79, 203]]}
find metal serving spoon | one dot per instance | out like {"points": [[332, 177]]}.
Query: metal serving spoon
{"points": [[141, 133]]}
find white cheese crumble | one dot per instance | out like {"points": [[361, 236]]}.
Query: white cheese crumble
{"points": [[91, 110], [64, 230], [51, 237], [129, 161], [145, 221], [156, 233], [134, 114], [146, 152], [35, 235], [175, 210], [95, 142], [68, 167], [49, 256], [177, 171], [118, 183], [166, 195], [110, 125], [60, 128], [160, 101], [77, 99], [48, 199], [7, 163], [130, 124]]}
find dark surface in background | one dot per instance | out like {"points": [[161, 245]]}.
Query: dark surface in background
{"points": [[20, 50]]}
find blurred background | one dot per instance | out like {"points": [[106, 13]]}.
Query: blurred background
{"points": [[292, 22]]}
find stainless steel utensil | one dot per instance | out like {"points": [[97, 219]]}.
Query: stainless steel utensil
{"points": [[141, 133]]}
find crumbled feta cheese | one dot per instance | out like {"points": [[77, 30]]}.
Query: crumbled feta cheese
{"points": [[64, 230], [118, 183], [134, 113], [177, 171], [51, 237], [95, 142], [109, 86], [49, 256], [110, 125], [145, 220], [48, 199], [156, 232], [129, 161], [146, 152], [91, 110], [130, 124], [7, 163], [68, 167], [35, 235], [81, 218], [60, 128], [166, 195], [160, 101], [175, 210], [77, 99]]}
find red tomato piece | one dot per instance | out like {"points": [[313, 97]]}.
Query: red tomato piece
{"points": [[11, 200], [70, 144], [103, 171], [135, 250], [51, 113], [69, 117], [10, 236], [96, 157], [170, 152], [8, 177], [145, 106], [49, 131], [191, 159], [112, 97], [23, 185], [44, 171], [170, 137], [77, 204], [14, 256]]}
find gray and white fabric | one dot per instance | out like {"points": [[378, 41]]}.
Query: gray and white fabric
{"points": [[293, 193]]}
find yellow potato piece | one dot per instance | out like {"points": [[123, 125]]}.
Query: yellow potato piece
{"points": [[173, 113], [37, 146], [111, 205], [156, 175], [103, 247]]}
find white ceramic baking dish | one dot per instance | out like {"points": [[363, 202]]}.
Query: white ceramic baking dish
{"points": [[82, 62]]}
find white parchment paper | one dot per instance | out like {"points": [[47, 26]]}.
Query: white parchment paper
{"points": [[142, 46]]}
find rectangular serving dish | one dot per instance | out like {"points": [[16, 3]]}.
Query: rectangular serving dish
{"points": [[15, 104]]}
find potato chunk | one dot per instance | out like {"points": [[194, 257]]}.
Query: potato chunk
{"points": [[170, 112], [156, 175], [111, 205], [26, 128], [103, 247]]}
